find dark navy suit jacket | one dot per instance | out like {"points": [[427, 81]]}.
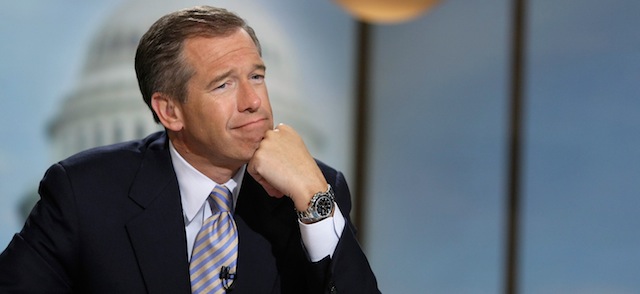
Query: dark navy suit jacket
{"points": [[110, 221]]}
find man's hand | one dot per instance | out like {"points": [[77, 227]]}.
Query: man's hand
{"points": [[283, 166]]}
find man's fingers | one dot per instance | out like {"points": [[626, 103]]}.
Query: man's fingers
{"points": [[267, 187]]}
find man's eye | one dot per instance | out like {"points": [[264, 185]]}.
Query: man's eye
{"points": [[224, 85], [257, 77]]}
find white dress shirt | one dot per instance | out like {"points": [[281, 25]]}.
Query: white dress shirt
{"points": [[320, 239]]}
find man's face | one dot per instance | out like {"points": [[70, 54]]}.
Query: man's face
{"points": [[227, 111]]}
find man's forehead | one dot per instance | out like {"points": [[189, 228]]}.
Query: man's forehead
{"points": [[208, 48]]}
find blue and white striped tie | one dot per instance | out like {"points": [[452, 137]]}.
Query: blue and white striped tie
{"points": [[216, 246]]}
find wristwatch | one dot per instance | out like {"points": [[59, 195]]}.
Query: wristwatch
{"points": [[320, 207]]}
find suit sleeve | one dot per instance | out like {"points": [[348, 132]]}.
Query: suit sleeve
{"points": [[39, 259], [349, 270]]}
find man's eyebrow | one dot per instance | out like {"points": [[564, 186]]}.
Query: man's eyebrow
{"points": [[218, 79], [260, 66]]}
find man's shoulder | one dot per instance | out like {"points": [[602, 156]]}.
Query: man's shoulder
{"points": [[326, 169], [124, 153], [331, 174]]}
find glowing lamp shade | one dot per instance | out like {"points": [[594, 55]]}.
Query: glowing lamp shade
{"points": [[386, 11]]}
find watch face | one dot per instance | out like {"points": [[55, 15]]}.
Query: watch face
{"points": [[324, 205]]}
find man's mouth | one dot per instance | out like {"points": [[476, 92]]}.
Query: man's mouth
{"points": [[256, 123]]}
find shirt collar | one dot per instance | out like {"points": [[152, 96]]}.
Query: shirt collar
{"points": [[195, 186]]}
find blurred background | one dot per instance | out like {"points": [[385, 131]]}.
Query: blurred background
{"points": [[433, 209]]}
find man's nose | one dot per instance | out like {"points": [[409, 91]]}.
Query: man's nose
{"points": [[248, 98]]}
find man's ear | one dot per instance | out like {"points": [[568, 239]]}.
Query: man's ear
{"points": [[167, 110]]}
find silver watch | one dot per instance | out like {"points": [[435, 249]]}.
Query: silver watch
{"points": [[321, 206]]}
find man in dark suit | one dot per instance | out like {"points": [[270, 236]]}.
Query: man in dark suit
{"points": [[124, 218]]}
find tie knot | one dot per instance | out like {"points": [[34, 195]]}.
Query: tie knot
{"points": [[221, 198]]}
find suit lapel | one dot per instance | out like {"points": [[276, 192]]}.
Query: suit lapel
{"points": [[262, 231], [273, 218], [157, 232]]}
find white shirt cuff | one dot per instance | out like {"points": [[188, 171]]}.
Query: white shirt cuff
{"points": [[321, 238]]}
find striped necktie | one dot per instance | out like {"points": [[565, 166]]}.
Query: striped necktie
{"points": [[215, 252]]}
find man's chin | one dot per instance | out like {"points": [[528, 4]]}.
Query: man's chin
{"points": [[249, 148]]}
